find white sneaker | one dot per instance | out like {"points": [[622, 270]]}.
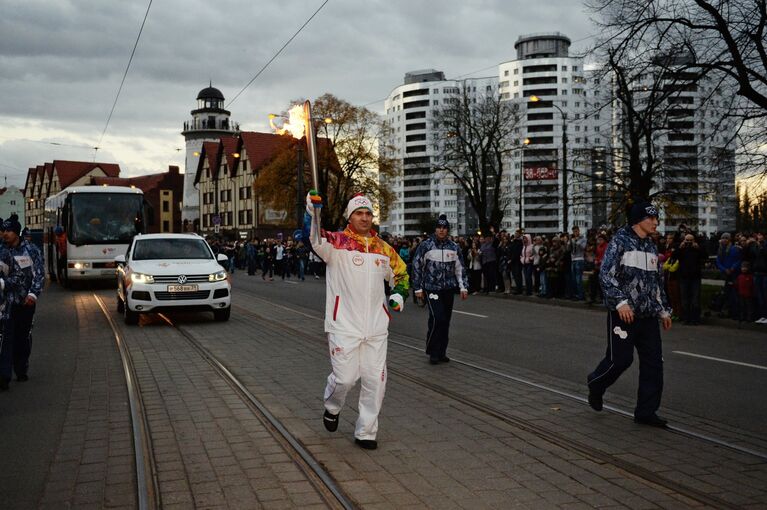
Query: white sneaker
{"points": [[762, 320]]}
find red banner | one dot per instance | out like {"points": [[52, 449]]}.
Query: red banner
{"points": [[540, 173]]}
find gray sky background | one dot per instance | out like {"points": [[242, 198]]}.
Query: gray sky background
{"points": [[61, 63]]}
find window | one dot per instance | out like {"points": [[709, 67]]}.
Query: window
{"points": [[564, 68], [13, 202], [506, 72], [575, 69], [564, 92], [165, 226], [165, 206], [516, 71], [564, 80]]}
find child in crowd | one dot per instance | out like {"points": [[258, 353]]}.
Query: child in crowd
{"points": [[744, 287]]}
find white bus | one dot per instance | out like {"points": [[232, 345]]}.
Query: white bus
{"points": [[86, 227]]}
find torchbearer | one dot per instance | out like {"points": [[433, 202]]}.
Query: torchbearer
{"points": [[356, 313]]}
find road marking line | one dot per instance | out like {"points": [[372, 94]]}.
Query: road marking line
{"points": [[292, 283], [760, 367], [472, 314]]}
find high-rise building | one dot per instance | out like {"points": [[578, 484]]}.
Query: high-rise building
{"points": [[568, 152], [413, 140], [210, 121], [564, 133]]}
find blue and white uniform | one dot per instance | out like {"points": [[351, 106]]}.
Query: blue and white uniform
{"points": [[439, 271], [630, 275], [26, 275]]}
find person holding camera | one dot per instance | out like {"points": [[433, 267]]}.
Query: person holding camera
{"points": [[691, 257]]}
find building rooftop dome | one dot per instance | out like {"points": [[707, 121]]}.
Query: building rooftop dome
{"points": [[210, 92]]}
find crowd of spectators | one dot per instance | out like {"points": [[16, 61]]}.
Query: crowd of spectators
{"points": [[554, 266]]}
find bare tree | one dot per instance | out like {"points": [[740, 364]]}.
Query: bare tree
{"points": [[725, 40], [476, 135]]}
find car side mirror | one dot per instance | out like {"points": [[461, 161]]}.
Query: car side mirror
{"points": [[222, 258]]}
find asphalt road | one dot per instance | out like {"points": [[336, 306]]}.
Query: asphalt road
{"points": [[566, 343]]}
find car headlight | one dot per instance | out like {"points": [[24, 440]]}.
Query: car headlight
{"points": [[217, 277], [141, 278]]}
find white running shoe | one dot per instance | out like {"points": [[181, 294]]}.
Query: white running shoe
{"points": [[762, 320]]}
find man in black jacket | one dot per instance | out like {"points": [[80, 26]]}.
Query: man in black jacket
{"points": [[516, 262], [691, 258]]}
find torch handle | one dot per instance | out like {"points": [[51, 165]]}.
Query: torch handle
{"points": [[311, 144]]}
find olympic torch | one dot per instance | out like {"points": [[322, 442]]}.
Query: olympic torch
{"points": [[311, 144]]}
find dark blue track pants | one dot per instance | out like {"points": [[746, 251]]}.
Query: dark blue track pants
{"points": [[440, 305], [16, 341], [644, 335]]}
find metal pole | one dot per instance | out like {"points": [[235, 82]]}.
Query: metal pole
{"points": [[300, 187], [564, 174], [311, 143], [521, 183]]}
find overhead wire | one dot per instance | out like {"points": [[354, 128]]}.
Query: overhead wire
{"points": [[125, 75], [276, 54]]}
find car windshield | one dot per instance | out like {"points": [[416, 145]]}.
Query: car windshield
{"points": [[154, 249]]}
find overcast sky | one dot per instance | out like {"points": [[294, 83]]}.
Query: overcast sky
{"points": [[61, 63]]}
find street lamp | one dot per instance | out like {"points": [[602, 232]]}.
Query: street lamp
{"points": [[525, 143], [535, 99]]}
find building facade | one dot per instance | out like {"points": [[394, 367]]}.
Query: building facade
{"points": [[12, 202], [210, 121], [413, 139], [48, 179]]}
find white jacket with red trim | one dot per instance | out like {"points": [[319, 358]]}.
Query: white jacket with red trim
{"points": [[356, 269]]}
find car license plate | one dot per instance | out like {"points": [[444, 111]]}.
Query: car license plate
{"points": [[182, 288]]}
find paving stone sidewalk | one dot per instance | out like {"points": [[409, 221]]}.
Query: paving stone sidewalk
{"points": [[438, 453]]}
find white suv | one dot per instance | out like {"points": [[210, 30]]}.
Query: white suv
{"points": [[162, 272]]}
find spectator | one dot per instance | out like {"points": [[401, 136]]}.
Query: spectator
{"points": [[504, 257], [691, 257], [744, 287], [526, 259], [554, 269], [489, 263], [516, 264], [540, 268], [595, 290], [567, 261], [728, 262], [759, 269], [577, 251], [475, 268]]}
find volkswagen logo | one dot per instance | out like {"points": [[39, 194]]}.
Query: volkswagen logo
{"points": [[182, 279]]}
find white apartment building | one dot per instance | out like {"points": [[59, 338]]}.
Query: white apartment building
{"points": [[422, 194], [569, 120], [561, 106]]}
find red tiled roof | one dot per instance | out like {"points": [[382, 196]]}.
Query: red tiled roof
{"points": [[210, 152], [230, 145], [261, 147], [70, 171]]}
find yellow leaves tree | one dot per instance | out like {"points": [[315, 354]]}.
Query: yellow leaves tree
{"points": [[349, 162]]}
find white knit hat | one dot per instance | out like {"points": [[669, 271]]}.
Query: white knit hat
{"points": [[358, 201]]}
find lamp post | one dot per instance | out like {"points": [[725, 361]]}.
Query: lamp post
{"points": [[526, 142], [535, 99]]}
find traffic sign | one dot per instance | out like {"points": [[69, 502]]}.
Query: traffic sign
{"points": [[216, 219]]}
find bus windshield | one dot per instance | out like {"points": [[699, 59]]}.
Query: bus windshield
{"points": [[104, 218]]}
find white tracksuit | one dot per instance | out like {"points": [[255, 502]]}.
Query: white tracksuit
{"points": [[357, 318]]}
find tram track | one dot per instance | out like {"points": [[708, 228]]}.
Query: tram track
{"points": [[641, 474], [146, 472], [675, 429], [147, 485]]}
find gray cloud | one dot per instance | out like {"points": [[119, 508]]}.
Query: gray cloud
{"points": [[62, 62]]}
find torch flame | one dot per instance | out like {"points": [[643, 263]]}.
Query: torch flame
{"points": [[294, 125]]}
